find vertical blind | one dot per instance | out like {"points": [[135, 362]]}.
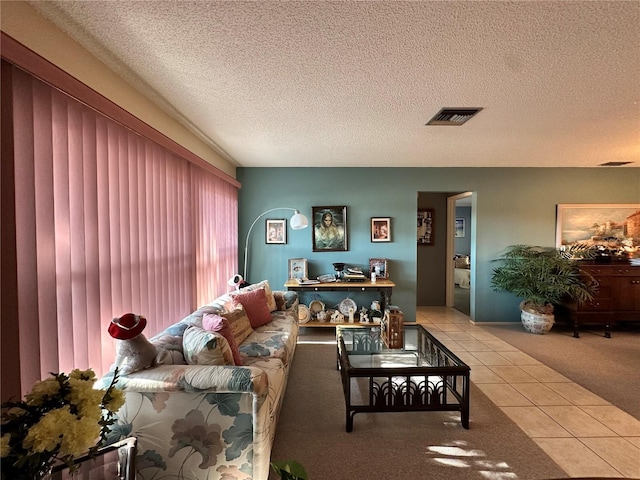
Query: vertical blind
{"points": [[107, 222]]}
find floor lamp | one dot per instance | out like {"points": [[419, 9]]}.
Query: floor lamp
{"points": [[297, 222]]}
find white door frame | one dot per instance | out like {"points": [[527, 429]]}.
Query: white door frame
{"points": [[451, 233]]}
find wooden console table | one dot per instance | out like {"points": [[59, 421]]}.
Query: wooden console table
{"points": [[383, 286], [617, 300]]}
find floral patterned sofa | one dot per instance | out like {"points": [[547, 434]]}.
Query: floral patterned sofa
{"points": [[194, 420]]}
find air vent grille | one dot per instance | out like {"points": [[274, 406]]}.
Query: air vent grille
{"points": [[453, 116], [614, 164]]}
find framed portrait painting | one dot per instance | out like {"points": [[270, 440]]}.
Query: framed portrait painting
{"points": [[276, 230], [298, 268], [329, 229], [613, 227], [380, 229], [460, 227]]}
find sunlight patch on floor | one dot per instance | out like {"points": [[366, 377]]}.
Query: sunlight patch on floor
{"points": [[457, 455]]}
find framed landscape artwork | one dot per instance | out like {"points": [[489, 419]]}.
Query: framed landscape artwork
{"points": [[615, 227], [329, 229]]}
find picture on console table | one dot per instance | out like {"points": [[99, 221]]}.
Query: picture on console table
{"points": [[379, 267], [298, 268], [610, 227], [329, 229]]}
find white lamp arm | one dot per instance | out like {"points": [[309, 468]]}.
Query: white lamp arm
{"points": [[246, 243]]}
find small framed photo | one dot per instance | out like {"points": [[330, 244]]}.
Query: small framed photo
{"points": [[379, 267], [380, 229], [329, 229], [298, 268], [459, 227], [425, 226], [276, 230]]}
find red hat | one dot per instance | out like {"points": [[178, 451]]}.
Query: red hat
{"points": [[127, 326]]}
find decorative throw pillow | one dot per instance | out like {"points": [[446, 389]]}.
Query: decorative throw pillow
{"points": [[216, 323], [239, 324], [271, 301], [255, 304], [202, 347]]}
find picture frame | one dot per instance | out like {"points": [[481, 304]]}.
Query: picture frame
{"points": [[379, 266], [298, 268], [380, 229], [610, 227], [329, 232], [426, 226], [276, 230], [460, 233]]}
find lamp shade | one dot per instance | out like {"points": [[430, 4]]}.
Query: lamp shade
{"points": [[298, 221]]}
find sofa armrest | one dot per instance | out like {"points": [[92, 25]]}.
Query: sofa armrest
{"points": [[193, 378], [286, 300]]}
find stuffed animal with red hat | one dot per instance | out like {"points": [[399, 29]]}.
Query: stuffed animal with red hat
{"points": [[133, 351]]}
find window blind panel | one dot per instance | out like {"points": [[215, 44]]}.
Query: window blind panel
{"points": [[107, 222], [45, 228], [25, 226]]}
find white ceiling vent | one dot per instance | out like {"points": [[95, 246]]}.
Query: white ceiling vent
{"points": [[453, 116]]}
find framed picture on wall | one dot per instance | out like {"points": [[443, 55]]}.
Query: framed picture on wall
{"points": [[380, 229], [425, 226], [276, 230], [329, 229], [460, 227], [298, 268], [610, 227]]}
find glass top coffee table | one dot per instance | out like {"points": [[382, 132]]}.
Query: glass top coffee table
{"points": [[424, 375]]}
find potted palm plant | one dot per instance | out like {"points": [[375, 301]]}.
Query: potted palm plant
{"points": [[543, 277]]}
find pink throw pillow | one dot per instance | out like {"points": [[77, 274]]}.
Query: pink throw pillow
{"points": [[216, 323], [255, 304]]}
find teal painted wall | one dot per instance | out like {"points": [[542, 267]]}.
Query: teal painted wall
{"points": [[510, 206]]}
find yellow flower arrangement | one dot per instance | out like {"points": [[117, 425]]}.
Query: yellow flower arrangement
{"points": [[61, 418]]}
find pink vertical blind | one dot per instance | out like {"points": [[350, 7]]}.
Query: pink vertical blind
{"points": [[107, 222]]}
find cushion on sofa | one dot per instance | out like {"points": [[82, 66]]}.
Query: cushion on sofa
{"points": [[202, 347], [255, 304], [271, 301], [239, 324], [216, 323]]}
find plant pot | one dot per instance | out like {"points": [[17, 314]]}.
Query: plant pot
{"points": [[536, 323]]}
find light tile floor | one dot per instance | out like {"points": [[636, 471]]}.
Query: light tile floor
{"points": [[584, 434]]}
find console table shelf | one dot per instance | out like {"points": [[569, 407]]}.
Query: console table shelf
{"points": [[383, 287]]}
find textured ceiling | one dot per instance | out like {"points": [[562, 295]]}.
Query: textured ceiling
{"points": [[346, 83]]}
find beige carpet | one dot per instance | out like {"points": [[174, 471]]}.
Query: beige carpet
{"points": [[417, 445], [608, 367]]}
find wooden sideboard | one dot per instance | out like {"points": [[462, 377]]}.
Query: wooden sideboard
{"points": [[617, 300]]}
